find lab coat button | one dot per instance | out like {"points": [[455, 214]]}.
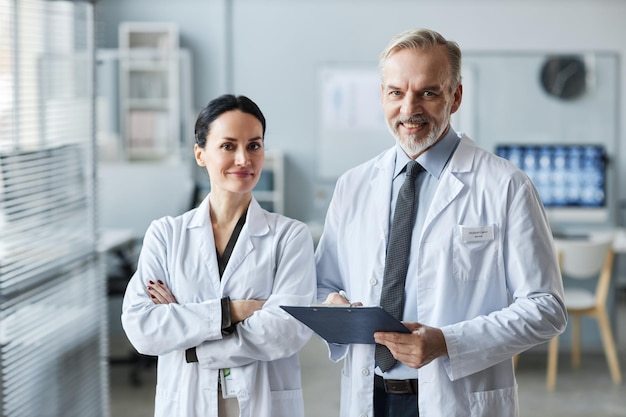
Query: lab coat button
{"points": [[365, 371], [373, 281], [363, 415]]}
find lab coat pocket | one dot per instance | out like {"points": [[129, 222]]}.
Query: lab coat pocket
{"points": [[475, 252], [496, 403], [288, 403], [166, 403]]}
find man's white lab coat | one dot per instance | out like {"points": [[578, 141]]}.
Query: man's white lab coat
{"points": [[487, 276], [273, 260]]}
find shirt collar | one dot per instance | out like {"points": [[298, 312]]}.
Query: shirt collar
{"points": [[435, 159]]}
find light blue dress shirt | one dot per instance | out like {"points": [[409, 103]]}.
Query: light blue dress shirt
{"points": [[434, 160]]}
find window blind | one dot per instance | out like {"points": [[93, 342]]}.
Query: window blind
{"points": [[52, 290], [45, 221]]}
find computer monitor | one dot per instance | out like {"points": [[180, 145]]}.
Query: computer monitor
{"points": [[571, 179]]}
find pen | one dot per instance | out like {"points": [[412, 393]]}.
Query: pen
{"points": [[344, 295]]}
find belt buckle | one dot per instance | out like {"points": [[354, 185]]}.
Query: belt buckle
{"points": [[398, 386]]}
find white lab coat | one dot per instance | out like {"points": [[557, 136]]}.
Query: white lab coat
{"points": [[273, 260], [492, 298]]}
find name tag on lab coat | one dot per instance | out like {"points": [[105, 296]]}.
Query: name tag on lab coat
{"points": [[477, 233]]}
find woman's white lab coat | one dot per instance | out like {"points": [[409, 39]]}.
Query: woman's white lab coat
{"points": [[487, 276], [273, 260]]}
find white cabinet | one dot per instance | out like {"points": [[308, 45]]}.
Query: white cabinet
{"points": [[149, 78]]}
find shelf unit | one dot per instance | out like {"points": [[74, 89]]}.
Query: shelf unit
{"points": [[269, 191], [150, 117]]}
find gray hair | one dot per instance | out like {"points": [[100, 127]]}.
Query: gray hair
{"points": [[425, 39]]}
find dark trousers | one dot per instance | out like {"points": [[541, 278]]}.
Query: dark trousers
{"points": [[394, 405]]}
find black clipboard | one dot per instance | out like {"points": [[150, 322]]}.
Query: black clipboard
{"points": [[345, 325]]}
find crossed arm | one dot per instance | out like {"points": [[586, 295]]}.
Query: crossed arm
{"points": [[239, 309]]}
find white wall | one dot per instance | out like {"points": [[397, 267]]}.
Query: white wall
{"points": [[130, 196], [272, 51]]}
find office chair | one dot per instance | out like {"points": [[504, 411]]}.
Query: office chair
{"points": [[583, 260]]}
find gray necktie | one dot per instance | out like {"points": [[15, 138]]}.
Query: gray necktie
{"points": [[397, 260]]}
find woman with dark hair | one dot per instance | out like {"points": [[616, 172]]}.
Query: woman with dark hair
{"points": [[205, 298]]}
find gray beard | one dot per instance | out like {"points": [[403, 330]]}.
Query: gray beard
{"points": [[412, 147]]}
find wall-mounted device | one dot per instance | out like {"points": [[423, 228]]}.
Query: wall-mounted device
{"points": [[564, 76]]}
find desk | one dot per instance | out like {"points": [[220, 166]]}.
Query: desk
{"points": [[120, 246], [619, 247], [113, 239], [618, 234], [619, 240]]}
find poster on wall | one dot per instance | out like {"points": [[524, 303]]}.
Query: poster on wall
{"points": [[352, 126]]}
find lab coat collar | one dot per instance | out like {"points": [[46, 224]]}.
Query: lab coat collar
{"points": [[257, 219], [200, 216], [380, 184], [450, 186], [256, 222], [256, 225], [463, 158], [386, 162]]}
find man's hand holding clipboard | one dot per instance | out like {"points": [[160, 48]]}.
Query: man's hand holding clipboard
{"points": [[338, 321]]}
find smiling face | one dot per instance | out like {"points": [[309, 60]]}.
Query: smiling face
{"points": [[418, 97], [233, 154]]}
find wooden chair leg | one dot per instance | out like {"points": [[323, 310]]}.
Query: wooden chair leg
{"points": [[553, 358], [609, 346], [575, 340]]}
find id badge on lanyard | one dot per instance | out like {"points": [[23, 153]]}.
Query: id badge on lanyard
{"points": [[228, 384]]}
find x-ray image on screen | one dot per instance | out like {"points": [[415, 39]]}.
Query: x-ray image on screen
{"points": [[565, 175]]}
